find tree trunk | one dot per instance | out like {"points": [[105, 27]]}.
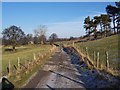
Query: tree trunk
{"points": [[118, 23], [117, 27], [105, 30], [95, 34], [89, 34], [101, 26], [114, 24], [101, 29]]}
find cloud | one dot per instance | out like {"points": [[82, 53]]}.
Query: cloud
{"points": [[70, 28], [97, 12], [66, 29]]}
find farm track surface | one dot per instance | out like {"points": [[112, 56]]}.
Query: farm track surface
{"points": [[66, 70]]}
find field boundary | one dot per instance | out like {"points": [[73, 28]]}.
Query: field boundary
{"points": [[95, 63], [27, 69]]}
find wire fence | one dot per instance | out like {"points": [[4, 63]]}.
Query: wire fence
{"points": [[95, 60], [17, 71]]}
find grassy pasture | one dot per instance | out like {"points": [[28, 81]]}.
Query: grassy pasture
{"points": [[24, 53], [109, 44]]}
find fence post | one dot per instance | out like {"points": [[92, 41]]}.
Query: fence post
{"points": [[34, 57], [26, 66], [18, 62], [9, 67], [73, 44], [30, 68], [42, 56], [94, 58], [86, 51], [45, 54], [107, 60], [18, 71], [98, 59]]}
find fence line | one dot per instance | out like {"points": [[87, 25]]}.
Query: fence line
{"points": [[97, 62], [27, 66], [96, 58]]}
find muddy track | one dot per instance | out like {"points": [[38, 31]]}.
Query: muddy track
{"points": [[92, 78], [65, 69]]}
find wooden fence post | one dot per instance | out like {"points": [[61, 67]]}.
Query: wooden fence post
{"points": [[42, 56], [98, 59], [18, 71], [45, 54], [26, 67], [94, 58], [107, 61], [30, 68], [34, 56], [73, 44], [18, 62], [9, 69], [86, 52]]}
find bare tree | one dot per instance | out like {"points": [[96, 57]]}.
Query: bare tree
{"points": [[40, 33]]}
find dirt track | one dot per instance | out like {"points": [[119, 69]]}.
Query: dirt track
{"points": [[65, 70]]}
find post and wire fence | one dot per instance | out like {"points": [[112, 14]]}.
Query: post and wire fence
{"points": [[16, 71], [97, 60]]}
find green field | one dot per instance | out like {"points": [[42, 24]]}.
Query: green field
{"points": [[109, 44], [23, 52]]}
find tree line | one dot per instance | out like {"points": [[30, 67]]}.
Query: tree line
{"points": [[104, 22], [14, 36]]}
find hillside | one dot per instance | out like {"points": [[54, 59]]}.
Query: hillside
{"points": [[109, 44]]}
